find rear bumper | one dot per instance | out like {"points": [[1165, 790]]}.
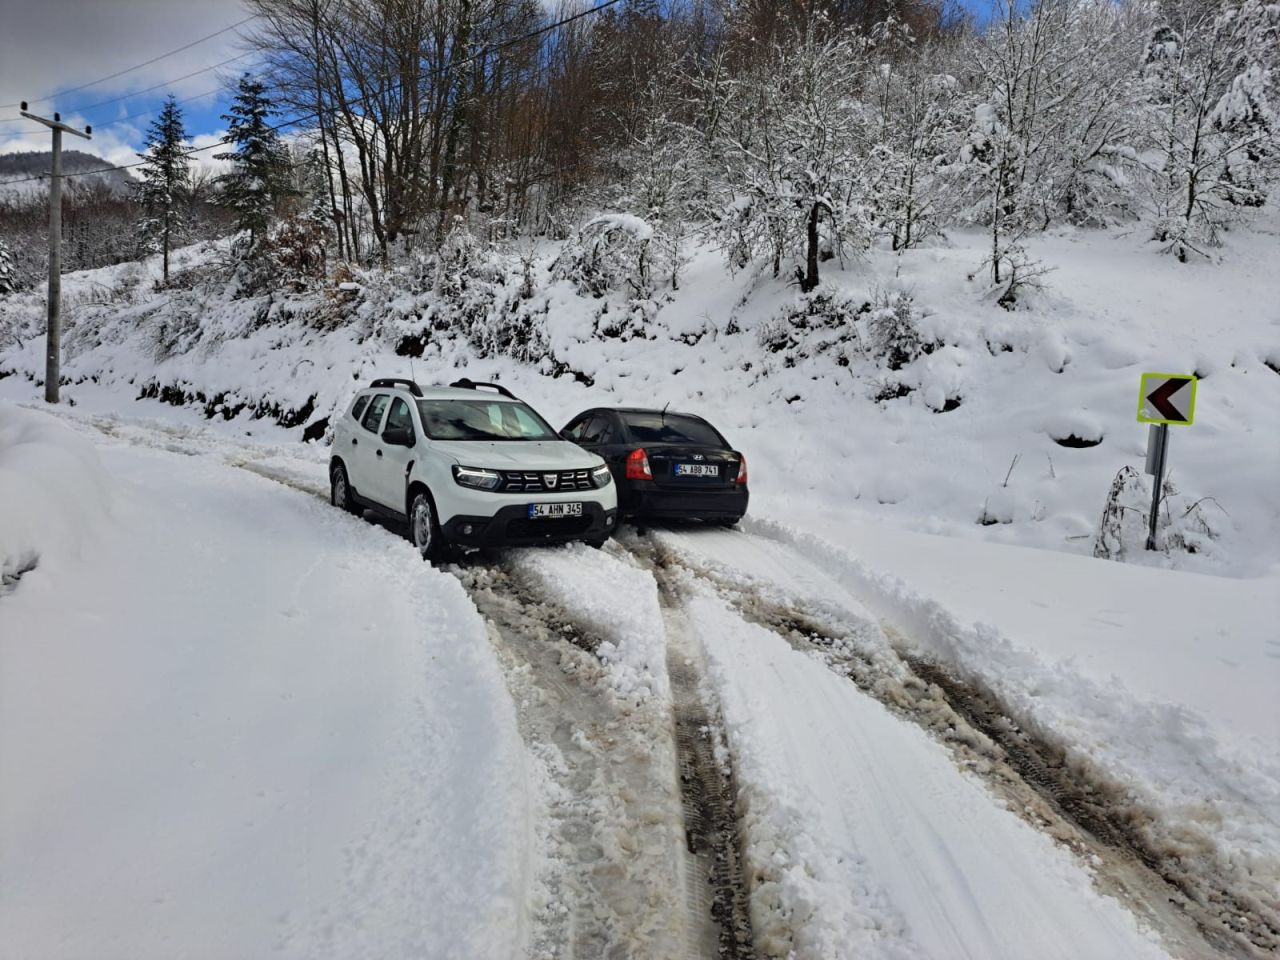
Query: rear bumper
{"points": [[511, 527], [642, 499]]}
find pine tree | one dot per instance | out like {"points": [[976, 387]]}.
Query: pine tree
{"points": [[166, 180], [8, 272], [315, 176], [260, 174]]}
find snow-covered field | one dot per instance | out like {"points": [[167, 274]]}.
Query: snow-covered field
{"points": [[234, 720]]}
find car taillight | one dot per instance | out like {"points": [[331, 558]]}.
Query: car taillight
{"points": [[638, 465], [742, 469]]}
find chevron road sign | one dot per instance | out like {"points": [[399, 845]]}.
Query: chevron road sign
{"points": [[1167, 398]]}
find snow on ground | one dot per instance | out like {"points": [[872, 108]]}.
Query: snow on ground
{"points": [[867, 840], [234, 721], [53, 494], [1212, 778]]}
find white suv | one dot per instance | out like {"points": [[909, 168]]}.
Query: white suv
{"points": [[468, 466]]}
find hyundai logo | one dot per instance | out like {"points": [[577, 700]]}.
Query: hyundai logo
{"points": [[549, 480]]}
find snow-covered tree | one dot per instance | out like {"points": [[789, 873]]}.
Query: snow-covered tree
{"points": [[8, 271], [259, 177], [165, 182], [788, 136], [1212, 76], [919, 118]]}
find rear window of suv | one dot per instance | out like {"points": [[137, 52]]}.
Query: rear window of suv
{"points": [[671, 428], [482, 420]]}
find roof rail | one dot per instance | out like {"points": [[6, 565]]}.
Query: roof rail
{"points": [[398, 382], [466, 384]]}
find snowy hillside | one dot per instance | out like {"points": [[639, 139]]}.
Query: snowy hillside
{"points": [[35, 163], [1005, 426]]}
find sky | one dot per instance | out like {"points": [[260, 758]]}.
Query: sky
{"points": [[51, 46]]}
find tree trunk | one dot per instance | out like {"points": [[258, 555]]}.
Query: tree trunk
{"points": [[810, 279]]}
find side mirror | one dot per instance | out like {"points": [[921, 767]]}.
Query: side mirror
{"points": [[398, 436]]}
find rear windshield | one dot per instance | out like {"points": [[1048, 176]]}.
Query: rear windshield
{"points": [[671, 428], [482, 420]]}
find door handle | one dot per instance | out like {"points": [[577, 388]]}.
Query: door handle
{"points": [[379, 453]]}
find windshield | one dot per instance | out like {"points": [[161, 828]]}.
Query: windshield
{"points": [[671, 428], [482, 420]]}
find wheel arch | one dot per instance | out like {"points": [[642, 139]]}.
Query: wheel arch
{"points": [[414, 486]]}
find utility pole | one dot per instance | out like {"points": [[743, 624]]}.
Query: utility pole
{"points": [[53, 335]]}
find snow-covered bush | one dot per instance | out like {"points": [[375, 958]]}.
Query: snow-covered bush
{"points": [[1182, 527], [823, 324], [467, 290], [893, 336], [296, 249], [616, 251]]}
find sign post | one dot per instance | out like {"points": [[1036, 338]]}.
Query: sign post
{"points": [[1163, 399]]}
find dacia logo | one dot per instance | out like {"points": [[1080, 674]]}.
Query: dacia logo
{"points": [[549, 480], [698, 456]]}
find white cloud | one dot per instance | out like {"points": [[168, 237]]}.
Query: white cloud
{"points": [[59, 44]]}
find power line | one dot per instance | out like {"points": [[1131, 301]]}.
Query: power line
{"points": [[137, 66], [137, 93], [315, 114]]}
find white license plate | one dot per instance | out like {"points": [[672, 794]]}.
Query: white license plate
{"points": [[697, 470], [538, 511]]}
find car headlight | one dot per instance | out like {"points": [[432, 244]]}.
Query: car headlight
{"points": [[477, 478], [601, 476]]}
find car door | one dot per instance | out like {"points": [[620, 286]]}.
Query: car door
{"points": [[391, 461], [361, 462]]}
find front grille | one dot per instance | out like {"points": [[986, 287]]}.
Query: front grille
{"points": [[548, 527], [537, 481]]}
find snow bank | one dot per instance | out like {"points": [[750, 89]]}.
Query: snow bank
{"points": [[1211, 793], [263, 727], [53, 494]]}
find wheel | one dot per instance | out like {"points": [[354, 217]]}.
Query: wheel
{"points": [[423, 528], [729, 521], [595, 544], [340, 490]]}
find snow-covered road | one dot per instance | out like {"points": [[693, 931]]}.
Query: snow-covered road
{"points": [[233, 722], [240, 720]]}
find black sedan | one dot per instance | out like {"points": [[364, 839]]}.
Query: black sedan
{"points": [[667, 465]]}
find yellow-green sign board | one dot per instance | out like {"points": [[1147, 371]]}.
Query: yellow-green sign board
{"points": [[1167, 398]]}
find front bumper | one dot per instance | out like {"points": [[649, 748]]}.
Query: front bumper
{"points": [[511, 527]]}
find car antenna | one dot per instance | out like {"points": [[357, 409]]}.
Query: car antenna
{"points": [[664, 412], [412, 375]]}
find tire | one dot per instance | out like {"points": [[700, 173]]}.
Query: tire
{"points": [[340, 494], [595, 544], [424, 530], [729, 521]]}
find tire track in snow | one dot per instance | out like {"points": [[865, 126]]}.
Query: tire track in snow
{"points": [[707, 787], [1183, 898], [622, 888]]}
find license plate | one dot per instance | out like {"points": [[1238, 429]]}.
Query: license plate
{"points": [[539, 511], [697, 470]]}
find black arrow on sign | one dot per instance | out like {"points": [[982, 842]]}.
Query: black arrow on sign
{"points": [[1159, 398]]}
